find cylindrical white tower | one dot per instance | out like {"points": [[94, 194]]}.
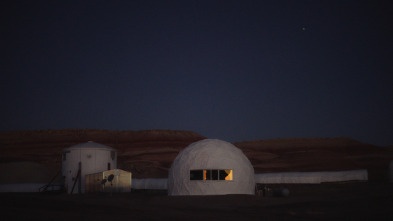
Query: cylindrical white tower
{"points": [[85, 158]]}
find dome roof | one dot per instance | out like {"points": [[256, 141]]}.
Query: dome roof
{"points": [[89, 145], [206, 156]]}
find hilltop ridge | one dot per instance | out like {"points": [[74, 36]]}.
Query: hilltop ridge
{"points": [[150, 153]]}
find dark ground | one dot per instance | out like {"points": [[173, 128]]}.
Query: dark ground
{"points": [[338, 201]]}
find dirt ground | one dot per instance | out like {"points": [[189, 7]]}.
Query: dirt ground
{"points": [[339, 201]]}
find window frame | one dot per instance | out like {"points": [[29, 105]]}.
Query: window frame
{"points": [[211, 175]]}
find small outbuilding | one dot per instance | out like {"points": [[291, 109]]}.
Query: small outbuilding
{"points": [[116, 181], [211, 167], [85, 158], [311, 177]]}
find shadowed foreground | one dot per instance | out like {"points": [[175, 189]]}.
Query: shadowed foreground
{"points": [[346, 201]]}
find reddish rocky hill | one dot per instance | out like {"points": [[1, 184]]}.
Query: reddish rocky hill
{"points": [[318, 154], [150, 153], [146, 153]]}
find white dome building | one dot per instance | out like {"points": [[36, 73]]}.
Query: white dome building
{"points": [[211, 167], [85, 158]]}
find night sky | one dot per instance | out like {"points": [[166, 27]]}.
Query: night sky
{"points": [[232, 70]]}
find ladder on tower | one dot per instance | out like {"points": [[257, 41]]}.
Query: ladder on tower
{"points": [[76, 180]]}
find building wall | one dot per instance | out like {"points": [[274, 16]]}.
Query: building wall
{"points": [[311, 177], [121, 182]]}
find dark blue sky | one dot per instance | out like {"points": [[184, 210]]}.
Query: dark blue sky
{"points": [[234, 70]]}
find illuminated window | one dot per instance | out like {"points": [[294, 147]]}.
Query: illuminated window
{"points": [[211, 174], [229, 174]]}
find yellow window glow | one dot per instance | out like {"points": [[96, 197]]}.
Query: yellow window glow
{"points": [[230, 175]]}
